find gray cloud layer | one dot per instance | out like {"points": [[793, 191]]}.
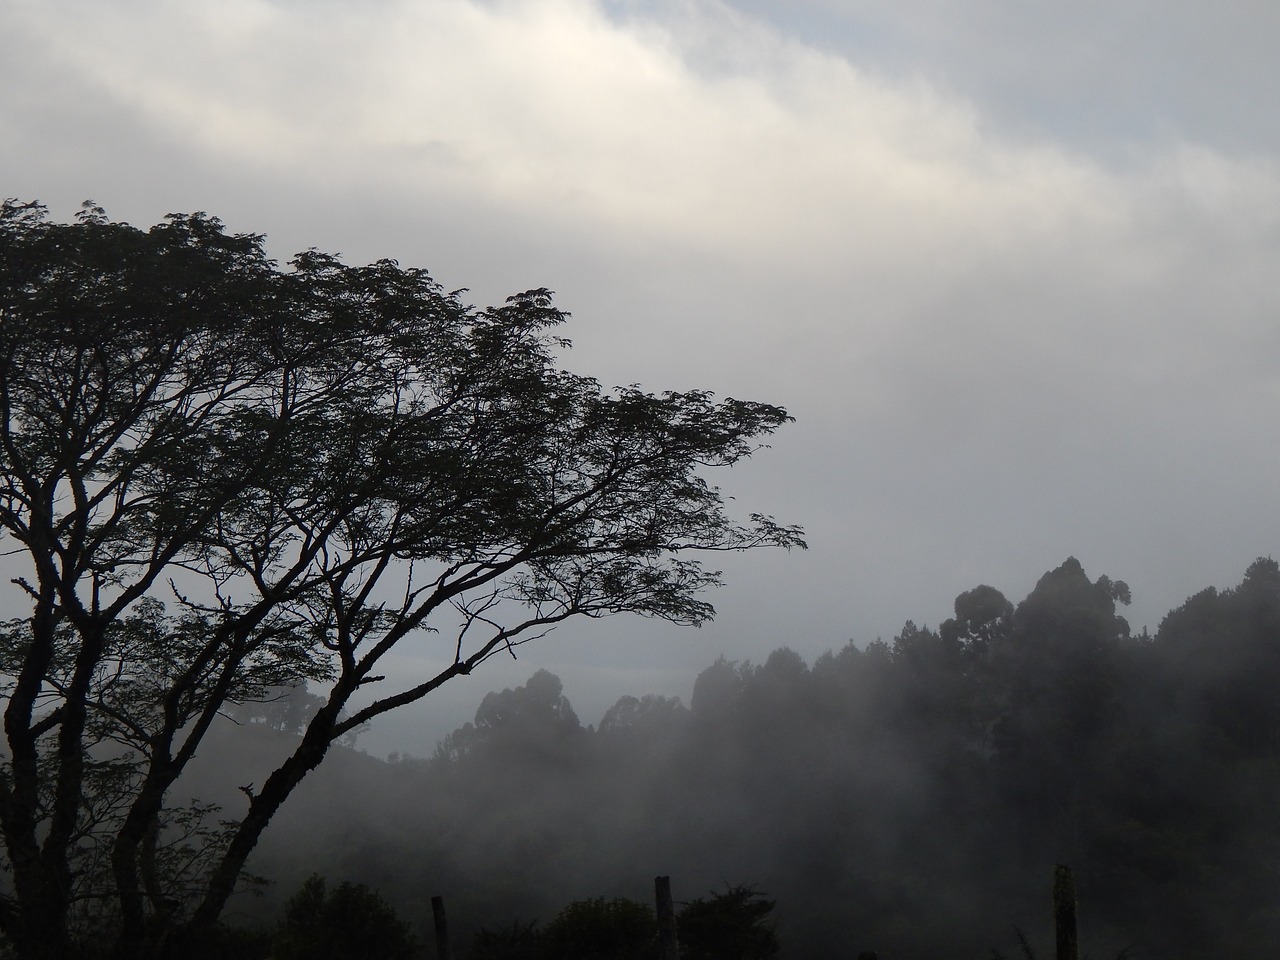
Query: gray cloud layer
{"points": [[1012, 271]]}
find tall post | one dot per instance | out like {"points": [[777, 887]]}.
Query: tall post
{"points": [[1064, 913], [443, 951], [668, 946]]}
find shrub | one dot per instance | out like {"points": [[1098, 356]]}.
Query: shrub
{"points": [[351, 922]]}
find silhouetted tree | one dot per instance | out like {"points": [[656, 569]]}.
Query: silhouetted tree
{"points": [[284, 708], [600, 929], [310, 465], [1228, 645], [348, 922], [982, 615], [518, 941], [531, 724], [734, 925], [644, 717]]}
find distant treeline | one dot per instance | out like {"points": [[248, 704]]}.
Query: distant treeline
{"points": [[909, 797]]}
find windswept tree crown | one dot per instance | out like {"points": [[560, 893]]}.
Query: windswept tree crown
{"points": [[227, 475]]}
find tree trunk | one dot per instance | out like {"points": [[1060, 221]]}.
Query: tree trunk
{"points": [[262, 807], [443, 950], [1064, 913], [39, 931], [668, 945]]}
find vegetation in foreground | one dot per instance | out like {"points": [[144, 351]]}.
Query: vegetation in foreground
{"points": [[219, 476]]}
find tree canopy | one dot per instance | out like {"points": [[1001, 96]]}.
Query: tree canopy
{"points": [[224, 476]]}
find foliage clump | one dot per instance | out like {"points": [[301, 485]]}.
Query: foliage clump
{"points": [[734, 925], [347, 922], [600, 929]]}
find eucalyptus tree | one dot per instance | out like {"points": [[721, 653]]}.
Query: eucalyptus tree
{"points": [[220, 475]]}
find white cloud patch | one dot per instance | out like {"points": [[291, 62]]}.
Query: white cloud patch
{"points": [[552, 106]]}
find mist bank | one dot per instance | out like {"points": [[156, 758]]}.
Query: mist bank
{"points": [[909, 797]]}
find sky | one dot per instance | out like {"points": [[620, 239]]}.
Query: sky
{"points": [[1011, 266]]}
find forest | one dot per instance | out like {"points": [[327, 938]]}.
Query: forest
{"points": [[908, 797]]}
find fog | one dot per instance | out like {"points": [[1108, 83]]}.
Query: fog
{"points": [[911, 797], [1012, 269]]}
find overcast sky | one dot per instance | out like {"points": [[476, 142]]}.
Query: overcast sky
{"points": [[1011, 265]]}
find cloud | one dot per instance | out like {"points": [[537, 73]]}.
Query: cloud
{"points": [[1003, 346], [709, 134], [554, 107], [1105, 76]]}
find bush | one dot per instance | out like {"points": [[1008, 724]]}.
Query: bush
{"points": [[520, 941], [351, 922], [732, 925], [602, 929]]}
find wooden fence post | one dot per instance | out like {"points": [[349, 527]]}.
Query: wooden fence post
{"points": [[443, 952], [1064, 913], [668, 946]]}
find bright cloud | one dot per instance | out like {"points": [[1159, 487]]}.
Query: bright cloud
{"points": [[553, 106]]}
